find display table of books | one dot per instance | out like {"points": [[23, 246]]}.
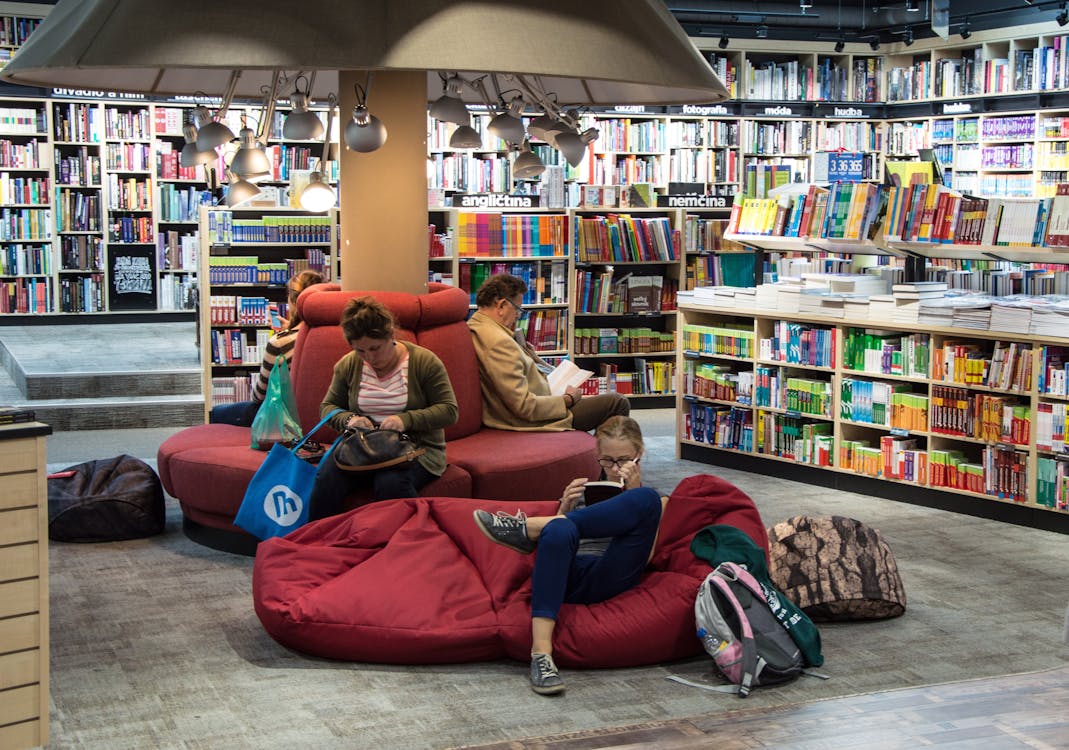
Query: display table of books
{"points": [[884, 392]]}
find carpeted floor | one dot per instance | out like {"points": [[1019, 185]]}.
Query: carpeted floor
{"points": [[155, 643]]}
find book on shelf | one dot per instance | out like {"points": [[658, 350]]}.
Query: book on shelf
{"points": [[644, 293], [565, 374], [595, 492], [1057, 229], [16, 415]]}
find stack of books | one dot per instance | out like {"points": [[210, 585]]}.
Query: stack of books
{"points": [[1050, 320], [1011, 313]]}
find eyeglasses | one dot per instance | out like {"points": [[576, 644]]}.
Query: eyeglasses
{"points": [[519, 308], [608, 463]]}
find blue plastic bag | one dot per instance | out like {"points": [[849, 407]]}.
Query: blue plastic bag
{"points": [[276, 500]]}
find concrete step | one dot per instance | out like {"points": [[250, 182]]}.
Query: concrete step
{"points": [[107, 384], [103, 376], [126, 413]]}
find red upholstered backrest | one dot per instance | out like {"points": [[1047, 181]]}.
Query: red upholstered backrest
{"points": [[443, 329], [434, 320]]}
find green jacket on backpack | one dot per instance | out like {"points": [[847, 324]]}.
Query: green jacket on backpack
{"points": [[721, 543]]}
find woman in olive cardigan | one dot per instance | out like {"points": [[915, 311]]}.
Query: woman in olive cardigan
{"points": [[396, 385]]}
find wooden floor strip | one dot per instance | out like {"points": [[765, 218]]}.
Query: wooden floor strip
{"points": [[1016, 711]]}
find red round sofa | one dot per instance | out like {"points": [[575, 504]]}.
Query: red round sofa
{"points": [[207, 467], [415, 582]]}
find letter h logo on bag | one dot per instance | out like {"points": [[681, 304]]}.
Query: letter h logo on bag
{"points": [[282, 505]]}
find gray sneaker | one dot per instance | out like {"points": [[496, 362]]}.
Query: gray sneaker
{"points": [[545, 679], [505, 529]]}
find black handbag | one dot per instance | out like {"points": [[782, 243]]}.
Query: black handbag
{"points": [[364, 449]]}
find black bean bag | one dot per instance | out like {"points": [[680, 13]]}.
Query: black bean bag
{"points": [[105, 500]]}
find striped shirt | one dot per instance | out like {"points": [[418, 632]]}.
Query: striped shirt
{"points": [[279, 345], [381, 397]]}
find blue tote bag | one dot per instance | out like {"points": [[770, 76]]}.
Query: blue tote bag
{"points": [[276, 501]]}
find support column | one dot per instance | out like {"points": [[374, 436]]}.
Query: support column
{"points": [[383, 195]]}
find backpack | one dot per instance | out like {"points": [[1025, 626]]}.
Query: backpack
{"points": [[737, 627]]}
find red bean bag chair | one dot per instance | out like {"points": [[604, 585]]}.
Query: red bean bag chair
{"points": [[415, 582]]}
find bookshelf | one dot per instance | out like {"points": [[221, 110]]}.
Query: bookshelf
{"points": [[77, 132], [247, 255], [110, 220], [627, 271], [180, 193], [26, 265]]}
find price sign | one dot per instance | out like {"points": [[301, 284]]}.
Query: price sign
{"points": [[846, 166]]}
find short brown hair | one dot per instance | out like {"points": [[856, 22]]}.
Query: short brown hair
{"points": [[499, 286], [366, 317]]}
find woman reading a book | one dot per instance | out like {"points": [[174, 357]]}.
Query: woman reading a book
{"points": [[280, 344], [390, 384], [590, 550], [516, 394]]}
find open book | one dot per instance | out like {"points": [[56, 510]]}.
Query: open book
{"points": [[565, 374], [595, 492]]}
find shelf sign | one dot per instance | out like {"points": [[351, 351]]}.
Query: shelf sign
{"points": [[703, 110], [132, 278], [957, 108], [494, 200], [93, 94], [692, 201], [852, 113]]}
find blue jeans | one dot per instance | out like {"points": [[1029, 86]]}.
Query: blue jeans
{"points": [[560, 575], [333, 486], [241, 413]]}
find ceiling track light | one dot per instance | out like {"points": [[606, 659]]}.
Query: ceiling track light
{"points": [[212, 132], [762, 32], [841, 44], [191, 156], [1063, 16], [912, 6], [805, 5], [302, 124], [527, 164], [507, 124], [874, 44], [318, 195], [449, 107], [250, 161], [364, 132], [465, 136], [723, 43], [965, 32]]}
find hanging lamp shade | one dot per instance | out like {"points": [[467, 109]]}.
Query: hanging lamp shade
{"points": [[527, 165], [192, 156], [448, 108], [364, 132], [538, 126], [213, 134], [587, 53], [317, 195], [465, 137], [238, 190], [250, 162], [301, 124]]}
